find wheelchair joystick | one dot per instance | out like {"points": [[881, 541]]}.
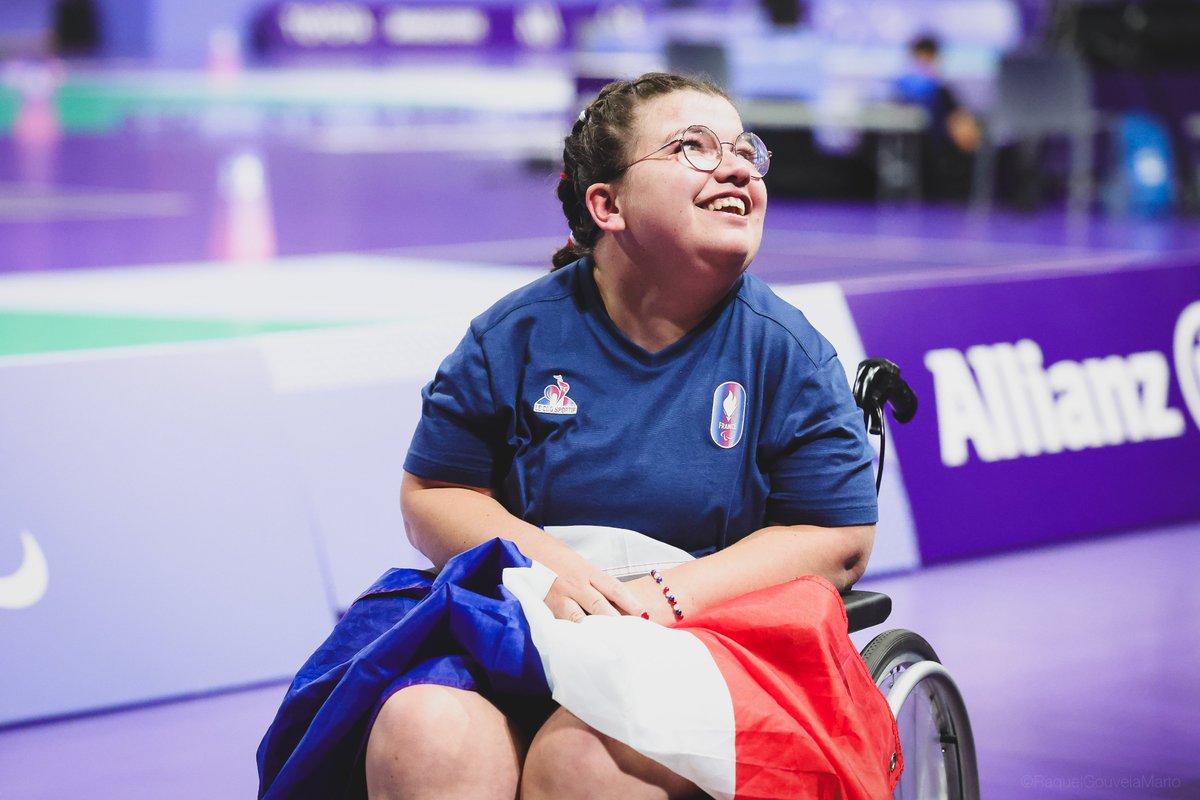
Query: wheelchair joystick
{"points": [[877, 384]]}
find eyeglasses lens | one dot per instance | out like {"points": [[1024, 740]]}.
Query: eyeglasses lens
{"points": [[703, 150], [754, 150]]}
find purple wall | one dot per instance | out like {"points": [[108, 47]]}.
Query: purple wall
{"points": [[126, 25], [23, 15], [24, 25], [1052, 408], [170, 31]]}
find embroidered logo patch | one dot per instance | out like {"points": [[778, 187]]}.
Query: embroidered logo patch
{"points": [[728, 414], [554, 399]]}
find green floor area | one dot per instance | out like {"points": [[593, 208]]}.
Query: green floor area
{"points": [[90, 105], [27, 333], [97, 101]]}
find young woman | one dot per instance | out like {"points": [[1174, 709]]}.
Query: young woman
{"points": [[646, 384]]}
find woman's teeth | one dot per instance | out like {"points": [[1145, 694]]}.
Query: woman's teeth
{"points": [[729, 204]]}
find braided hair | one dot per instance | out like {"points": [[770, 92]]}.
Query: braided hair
{"points": [[594, 152]]}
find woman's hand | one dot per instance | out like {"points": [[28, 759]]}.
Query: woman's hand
{"points": [[443, 519], [582, 590]]}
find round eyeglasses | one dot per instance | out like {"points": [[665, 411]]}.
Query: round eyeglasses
{"points": [[703, 149]]}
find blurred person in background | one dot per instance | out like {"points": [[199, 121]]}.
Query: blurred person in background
{"points": [[76, 28], [954, 133]]}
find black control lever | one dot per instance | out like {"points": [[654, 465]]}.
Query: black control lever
{"points": [[877, 384]]}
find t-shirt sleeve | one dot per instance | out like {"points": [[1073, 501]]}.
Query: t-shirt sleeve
{"points": [[457, 438], [821, 463]]}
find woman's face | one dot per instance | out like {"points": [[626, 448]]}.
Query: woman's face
{"points": [[668, 205]]}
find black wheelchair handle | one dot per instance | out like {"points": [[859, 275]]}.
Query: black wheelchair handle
{"points": [[877, 384]]}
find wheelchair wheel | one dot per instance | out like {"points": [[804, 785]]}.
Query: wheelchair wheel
{"points": [[935, 731], [891, 652]]}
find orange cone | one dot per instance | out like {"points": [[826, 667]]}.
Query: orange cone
{"points": [[224, 55], [37, 119], [243, 229], [36, 129]]}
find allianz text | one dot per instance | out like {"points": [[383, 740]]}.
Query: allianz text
{"points": [[1006, 403]]}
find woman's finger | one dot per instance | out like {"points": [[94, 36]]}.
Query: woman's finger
{"points": [[564, 607], [567, 599], [595, 603], [618, 594]]}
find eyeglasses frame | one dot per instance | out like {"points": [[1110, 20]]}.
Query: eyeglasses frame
{"points": [[680, 139]]}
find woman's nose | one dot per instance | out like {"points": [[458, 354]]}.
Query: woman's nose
{"points": [[732, 166]]}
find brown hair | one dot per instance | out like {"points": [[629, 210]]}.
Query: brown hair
{"points": [[594, 152]]}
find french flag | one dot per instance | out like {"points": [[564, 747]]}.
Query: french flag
{"points": [[764, 697]]}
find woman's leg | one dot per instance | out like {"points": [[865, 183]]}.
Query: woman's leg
{"points": [[568, 759], [437, 742]]}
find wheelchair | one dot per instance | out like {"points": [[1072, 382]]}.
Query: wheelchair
{"points": [[935, 730]]}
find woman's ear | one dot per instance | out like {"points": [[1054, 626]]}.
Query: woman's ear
{"points": [[601, 202]]}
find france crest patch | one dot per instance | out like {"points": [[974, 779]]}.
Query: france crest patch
{"points": [[728, 414]]}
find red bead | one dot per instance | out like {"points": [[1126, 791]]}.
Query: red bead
{"points": [[645, 615]]}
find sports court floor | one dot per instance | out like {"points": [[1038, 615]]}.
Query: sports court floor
{"points": [[1078, 661]]}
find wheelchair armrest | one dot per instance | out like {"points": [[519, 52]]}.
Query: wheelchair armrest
{"points": [[864, 609]]}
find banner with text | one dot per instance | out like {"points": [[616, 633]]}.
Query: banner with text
{"points": [[1051, 409], [362, 27]]}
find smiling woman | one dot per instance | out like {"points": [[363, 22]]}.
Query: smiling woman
{"points": [[648, 386], [664, 233], [610, 133]]}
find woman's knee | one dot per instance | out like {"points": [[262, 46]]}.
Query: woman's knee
{"points": [[428, 739], [565, 758], [420, 722], [568, 758]]}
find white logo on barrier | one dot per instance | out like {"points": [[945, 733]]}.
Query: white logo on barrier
{"points": [[450, 25], [1187, 358], [28, 584], [1004, 402], [539, 26], [327, 24]]}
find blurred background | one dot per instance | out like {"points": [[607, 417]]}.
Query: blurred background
{"points": [[237, 237]]}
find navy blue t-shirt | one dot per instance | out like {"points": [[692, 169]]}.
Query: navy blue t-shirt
{"points": [[748, 419]]}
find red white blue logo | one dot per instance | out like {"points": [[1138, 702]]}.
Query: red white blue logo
{"points": [[728, 414], [554, 399]]}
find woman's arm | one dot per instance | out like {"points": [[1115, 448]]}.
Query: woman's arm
{"points": [[769, 556], [443, 519]]}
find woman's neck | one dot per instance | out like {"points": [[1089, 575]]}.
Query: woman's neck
{"points": [[655, 308]]}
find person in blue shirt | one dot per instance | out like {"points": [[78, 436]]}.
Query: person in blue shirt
{"points": [[954, 134], [649, 384]]}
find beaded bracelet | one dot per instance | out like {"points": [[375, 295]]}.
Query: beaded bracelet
{"points": [[666, 590]]}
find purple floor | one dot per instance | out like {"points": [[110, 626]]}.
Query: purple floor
{"points": [[1078, 662], [142, 199]]}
